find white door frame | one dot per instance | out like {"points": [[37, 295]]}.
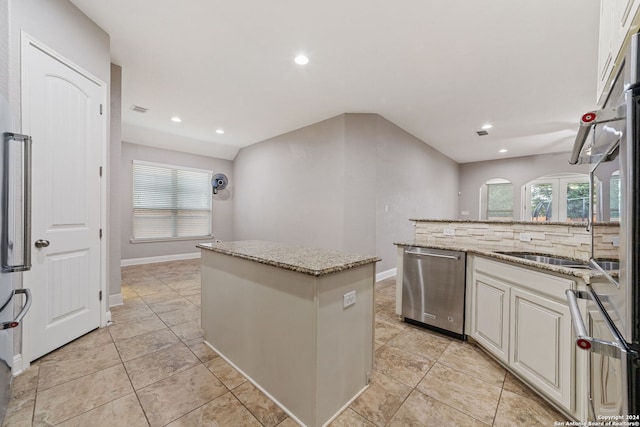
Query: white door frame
{"points": [[26, 41]]}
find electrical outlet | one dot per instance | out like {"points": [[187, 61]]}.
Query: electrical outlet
{"points": [[525, 237], [449, 232], [349, 299]]}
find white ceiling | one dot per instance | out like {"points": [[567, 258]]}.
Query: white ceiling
{"points": [[438, 69]]}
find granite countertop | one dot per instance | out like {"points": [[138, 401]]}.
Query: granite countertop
{"points": [[541, 223], [585, 274], [312, 261]]}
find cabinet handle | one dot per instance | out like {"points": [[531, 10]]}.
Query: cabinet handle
{"points": [[583, 340]]}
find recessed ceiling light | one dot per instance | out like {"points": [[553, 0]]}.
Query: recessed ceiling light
{"points": [[487, 126], [176, 119], [219, 131], [301, 60], [504, 150]]}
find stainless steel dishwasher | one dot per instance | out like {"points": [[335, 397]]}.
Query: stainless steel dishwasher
{"points": [[433, 289]]}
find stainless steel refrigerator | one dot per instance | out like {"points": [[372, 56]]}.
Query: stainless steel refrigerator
{"points": [[15, 245], [607, 322]]}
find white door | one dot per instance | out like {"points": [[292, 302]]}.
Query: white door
{"points": [[62, 112]]}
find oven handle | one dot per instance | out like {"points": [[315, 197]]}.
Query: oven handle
{"points": [[587, 121], [23, 311], [583, 340]]}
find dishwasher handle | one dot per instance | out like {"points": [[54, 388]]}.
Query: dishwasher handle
{"points": [[430, 254]]}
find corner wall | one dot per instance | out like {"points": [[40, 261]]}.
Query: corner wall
{"points": [[290, 188], [412, 180], [348, 183]]}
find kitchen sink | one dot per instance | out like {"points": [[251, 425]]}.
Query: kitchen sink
{"points": [[606, 265], [547, 259]]}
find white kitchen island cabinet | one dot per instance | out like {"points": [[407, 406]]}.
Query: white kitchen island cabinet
{"points": [[297, 322]]}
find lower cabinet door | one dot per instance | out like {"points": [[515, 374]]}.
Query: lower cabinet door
{"points": [[490, 315], [541, 344]]}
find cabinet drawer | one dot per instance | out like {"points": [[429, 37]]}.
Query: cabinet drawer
{"points": [[524, 277]]}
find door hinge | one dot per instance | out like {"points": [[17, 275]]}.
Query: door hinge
{"points": [[100, 295], [100, 170], [100, 233], [100, 109]]}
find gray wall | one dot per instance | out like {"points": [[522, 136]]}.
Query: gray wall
{"points": [[222, 209], [114, 275], [413, 181], [348, 183], [4, 48], [518, 170], [291, 188], [62, 27]]}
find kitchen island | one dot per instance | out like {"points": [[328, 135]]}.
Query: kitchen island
{"points": [[297, 322]]}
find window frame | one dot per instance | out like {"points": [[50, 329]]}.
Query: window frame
{"points": [[559, 195], [498, 182], [175, 209]]}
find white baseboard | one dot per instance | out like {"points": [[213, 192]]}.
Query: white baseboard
{"points": [[18, 366], [386, 274], [155, 259], [115, 299]]}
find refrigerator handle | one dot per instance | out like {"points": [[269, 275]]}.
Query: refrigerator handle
{"points": [[23, 311], [5, 245], [583, 340]]}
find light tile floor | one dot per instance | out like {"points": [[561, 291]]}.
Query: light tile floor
{"points": [[150, 367]]}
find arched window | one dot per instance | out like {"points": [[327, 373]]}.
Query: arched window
{"points": [[557, 198], [499, 199]]}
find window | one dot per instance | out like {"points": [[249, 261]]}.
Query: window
{"points": [[557, 198], [614, 196], [499, 199], [170, 202]]}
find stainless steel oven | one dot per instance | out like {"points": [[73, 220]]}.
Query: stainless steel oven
{"points": [[608, 326]]}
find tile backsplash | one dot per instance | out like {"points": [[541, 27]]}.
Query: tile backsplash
{"points": [[561, 239]]}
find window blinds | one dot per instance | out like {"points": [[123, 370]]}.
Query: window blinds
{"points": [[170, 202]]}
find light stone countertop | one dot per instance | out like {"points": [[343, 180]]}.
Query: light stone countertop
{"points": [[585, 274], [532, 223], [312, 261]]}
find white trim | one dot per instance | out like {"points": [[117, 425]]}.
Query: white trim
{"points": [[155, 259], [386, 274], [17, 368], [115, 300]]}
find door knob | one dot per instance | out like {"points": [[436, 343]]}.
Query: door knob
{"points": [[42, 243]]}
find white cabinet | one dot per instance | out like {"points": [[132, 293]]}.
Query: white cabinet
{"points": [[521, 316], [605, 44], [617, 22], [541, 344], [490, 324]]}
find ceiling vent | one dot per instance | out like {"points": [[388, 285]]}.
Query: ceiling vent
{"points": [[139, 109], [482, 133]]}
